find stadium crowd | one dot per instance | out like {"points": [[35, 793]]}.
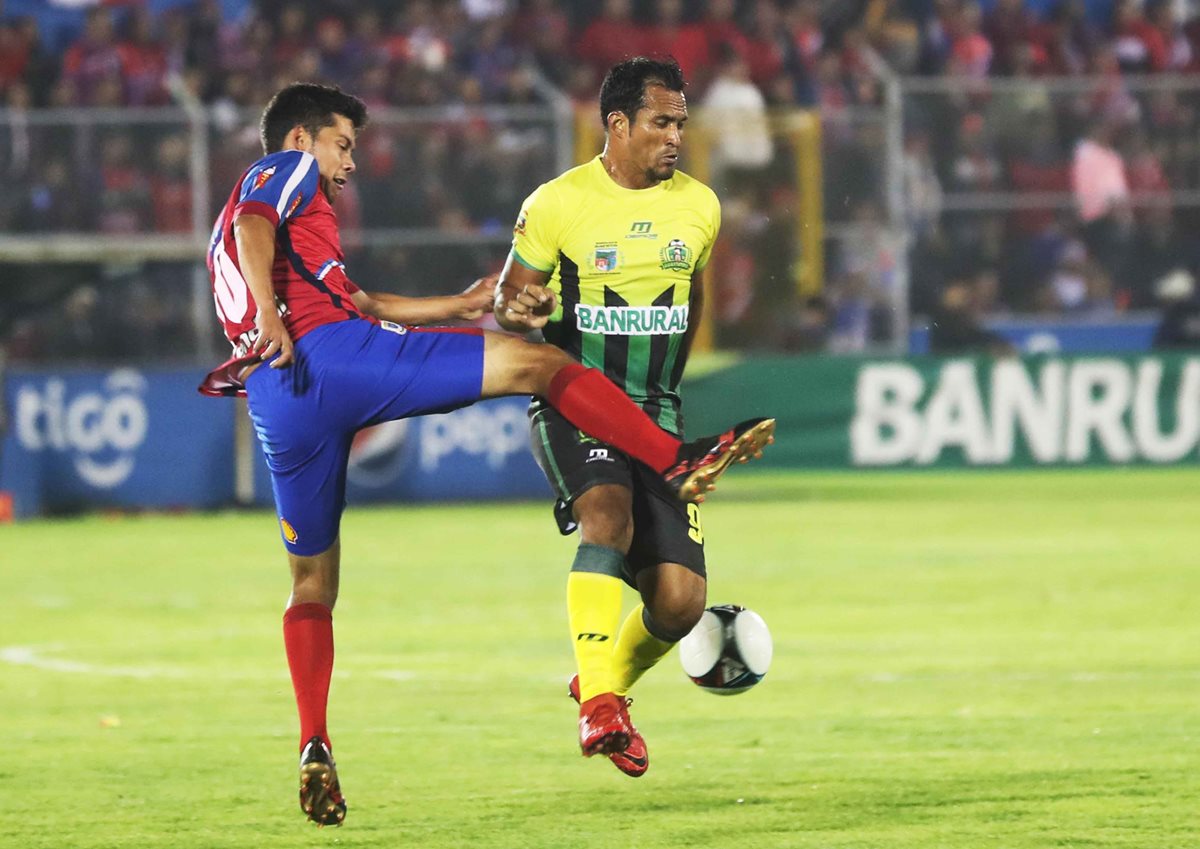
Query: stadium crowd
{"points": [[1097, 164]]}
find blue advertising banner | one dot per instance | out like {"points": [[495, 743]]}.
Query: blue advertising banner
{"points": [[137, 438], [1133, 333], [478, 452]]}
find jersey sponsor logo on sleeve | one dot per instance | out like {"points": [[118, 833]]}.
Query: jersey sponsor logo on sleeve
{"points": [[519, 227], [676, 256], [295, 203], [263, 176], [631, 321]]}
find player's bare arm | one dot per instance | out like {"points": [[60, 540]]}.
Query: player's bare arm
{"points": [[523, 301], [466, 306], [255, 237]]}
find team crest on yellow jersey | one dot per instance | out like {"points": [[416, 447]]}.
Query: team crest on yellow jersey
{"points": [[289, 533], [606, 259], [676, 256]]}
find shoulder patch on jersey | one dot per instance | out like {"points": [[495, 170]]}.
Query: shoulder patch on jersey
{"points": [[263, 176], [519, 227]]}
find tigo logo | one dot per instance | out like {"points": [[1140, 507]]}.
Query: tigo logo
{"points": [[101, 431]]}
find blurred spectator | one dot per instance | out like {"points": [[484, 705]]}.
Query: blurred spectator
{"points": [[1160, 250], [1101, 187], [143, 61], [809, 333], [543, 29], [611, 37], [956, 326], [78, 330], [124, 190], [735, 117], [922, 188], [94, 58], [896, 36], [171, 186], [1008, 27], [1179, 52], [1139, 45], [970, 52], [721, 29], [672, 36], [1180, 325], [767, 44], [52, 201], [340, 61]]}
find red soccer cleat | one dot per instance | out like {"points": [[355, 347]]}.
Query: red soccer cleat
{"points": [[701, 461], [633, 760]]}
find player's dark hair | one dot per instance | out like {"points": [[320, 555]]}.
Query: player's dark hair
{"points": [[312, 107], [624, 86]]}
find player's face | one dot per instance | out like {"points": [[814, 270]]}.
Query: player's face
{"points": [[333, 148], [656, 133]]}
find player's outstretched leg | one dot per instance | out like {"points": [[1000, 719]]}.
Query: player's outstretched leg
{"points": [[700, 462], [595, 405], [320, 794], [633, 759]]}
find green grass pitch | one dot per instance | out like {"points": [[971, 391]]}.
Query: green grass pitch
{"points": [[967, 660]]}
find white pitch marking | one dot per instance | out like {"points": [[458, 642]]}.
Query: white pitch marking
{"points": [[29, 656]]}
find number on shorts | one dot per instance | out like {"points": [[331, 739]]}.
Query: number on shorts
{"points": [[695, 531]]}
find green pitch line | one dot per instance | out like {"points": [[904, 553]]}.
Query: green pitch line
{"points": [[961, 660]]}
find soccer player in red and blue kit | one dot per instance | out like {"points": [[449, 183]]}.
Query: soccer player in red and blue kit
{"points": [[339, 359]]}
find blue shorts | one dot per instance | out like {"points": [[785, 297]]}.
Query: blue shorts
{"points": [[347, 376]]}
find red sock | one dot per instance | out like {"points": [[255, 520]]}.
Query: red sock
{"points": [[308, 638], [594, 404]]}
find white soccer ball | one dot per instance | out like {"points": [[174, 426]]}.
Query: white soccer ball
{"points": [[729, 650]]}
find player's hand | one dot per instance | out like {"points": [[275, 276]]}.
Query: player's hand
{"points": [[478, 297], [529, 307], [273, 339]]}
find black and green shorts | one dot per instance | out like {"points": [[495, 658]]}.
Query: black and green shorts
{"points": [[665, 529]]}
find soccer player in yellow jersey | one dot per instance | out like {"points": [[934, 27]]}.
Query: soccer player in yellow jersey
{"points": [[606, 260]]}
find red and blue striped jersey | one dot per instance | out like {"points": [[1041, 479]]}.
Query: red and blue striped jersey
{"points": [[311, 286]]}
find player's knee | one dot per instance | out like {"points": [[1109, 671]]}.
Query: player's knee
{"points": [[315, 579], [610, 528], [515, 367], [544, 363], [674, 611]]}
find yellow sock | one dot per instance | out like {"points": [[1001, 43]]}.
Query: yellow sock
{"points": [[636, 651], [594, 613]]}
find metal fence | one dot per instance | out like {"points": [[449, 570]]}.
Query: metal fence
{"points": [[115, 206]]}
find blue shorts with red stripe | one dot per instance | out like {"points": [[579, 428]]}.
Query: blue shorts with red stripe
{"points": [[347, 376]]}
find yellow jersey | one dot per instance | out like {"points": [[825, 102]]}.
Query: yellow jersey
{"points": [[621, 262]]}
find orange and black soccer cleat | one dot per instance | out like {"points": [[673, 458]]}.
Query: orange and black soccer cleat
{"points": [[701, 461], [320, 795], [633, 760]]}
